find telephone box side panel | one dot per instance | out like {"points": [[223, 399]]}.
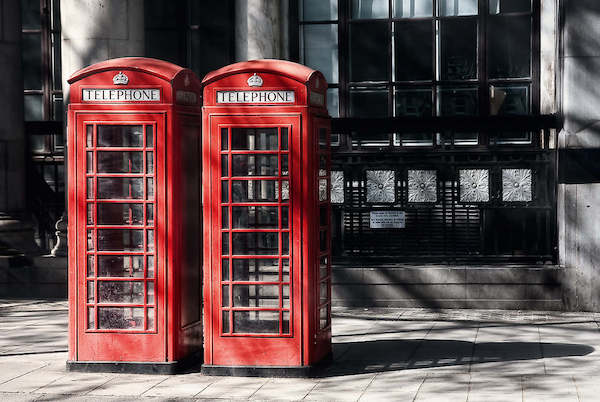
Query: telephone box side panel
{"points": [[72, 235]]}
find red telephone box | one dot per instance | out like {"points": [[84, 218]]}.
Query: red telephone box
{"points": [[134, 216], [266, 160]]}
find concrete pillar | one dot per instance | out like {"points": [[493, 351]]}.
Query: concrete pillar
{"points": [[579, 143], [261, 29], [16, 233], [94, 31]]}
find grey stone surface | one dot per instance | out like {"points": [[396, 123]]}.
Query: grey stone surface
{"points": [[260, 29]]}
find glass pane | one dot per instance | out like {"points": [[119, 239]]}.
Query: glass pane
{"points": [[256, 296], [224, 139], [284, 165], [285, 270], [285, 190], [413, 8], [149, 162], [89, 161], [224, 166], [121, 266], [318, 10], [225, 296], [89, 188], [224, 217], [509, 6], [120, 292], [323, 240], [90, 240], [89, 132], [414, 50], [32, 60], [120, 214], [285, 324], [323, 267], [224, 191], [255, 218], [150, 293], [256, 322], [254, 165], [284, 138], [120, 239], [368, 102], [509, 47], [33, 108], [91, 318], [150, 320], [90, 265], [256, 269], [225, 269], [369, 9], [120, 136], [285, 243], [323, 318], [509, 100], [149, 214], [226, 321], [150, 240], [149, 136], [30, 14], [459, 49], [149, 188], [333, 102], [120, 318], [285, 218], [250, 139], [120, 162], [414, 102], [458, 7], [285, 294], [255, 243], [150, 266], [254, 190], [225, 243], [90, 214], [90, 292], [58, 108], [320, 49], [120, 188], [459, 102], [369, 51], [323, 292]]}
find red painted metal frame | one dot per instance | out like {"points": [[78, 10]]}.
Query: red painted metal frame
{"points": [[305, 344], [171, 339]]}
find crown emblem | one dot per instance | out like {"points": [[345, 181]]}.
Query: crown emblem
{"points": [[255, 81], [120, 79]]}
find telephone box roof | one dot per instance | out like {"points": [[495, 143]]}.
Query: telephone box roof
{"points": [[286, 68], [162, 69]]}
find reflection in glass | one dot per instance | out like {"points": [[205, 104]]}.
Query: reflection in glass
{"points": [[256, 322], [285, 243], [284, 217], [414, 50], [259, 139], [256, 296], [333, 102], [369, 47], [149, 188], [120, 214], [459, 102], [413, 8], [256, 269], [285, 324], [120, 136], [320, 48], [224, 217], [120, 318], [225, 269], [150, 293], [149, 214], [120, 188], [285, 270], [224, 139], [254, 190], [226, 321], [90, 240], [458, 7], [225, 243], [254, 165], [89, 162], [284, 138], [31, 55], [150, 318], [123, 266], [225, 191], [150, 266], [150, 240], [459, 49], [91, 318], [149, 162], [149, 136], [284, 165], [369, 9], [224, 166], [90, 265], [265, 243], [89, 130], [90, 214], [34, 107], [509, 47], [225, 296], [90, 292], [509, 6], [369, 102], [318, 10], [120, 162], [509, 100], [120, 239], [89, 188], [121, 292], [252, 217], [414, 102]]}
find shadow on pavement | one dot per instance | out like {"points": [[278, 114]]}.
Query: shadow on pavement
{"points": [[392, 355]]}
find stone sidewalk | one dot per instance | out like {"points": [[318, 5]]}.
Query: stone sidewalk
{"points": [[379, 354]]}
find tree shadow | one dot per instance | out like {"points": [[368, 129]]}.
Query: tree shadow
{"points": [[351, 358]]}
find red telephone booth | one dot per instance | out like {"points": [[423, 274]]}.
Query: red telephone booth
{"points": [[134, 216], [266, 160]]}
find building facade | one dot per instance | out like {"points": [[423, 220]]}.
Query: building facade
{"points": [[468, 127]]}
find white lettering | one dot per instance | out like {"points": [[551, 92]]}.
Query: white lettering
{"points": [[120, 95], [256, 97]]}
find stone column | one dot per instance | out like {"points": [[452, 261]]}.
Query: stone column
{"points": [[261, 29], [579, 143], [94, 31], [16, 233]]}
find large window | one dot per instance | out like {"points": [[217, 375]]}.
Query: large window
{"points": [[425, 58]]}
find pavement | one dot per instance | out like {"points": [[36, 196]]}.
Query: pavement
{"points": [[379, 355]]}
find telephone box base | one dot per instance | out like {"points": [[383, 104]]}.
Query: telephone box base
{"points": [[136, 367], [258, 371]]}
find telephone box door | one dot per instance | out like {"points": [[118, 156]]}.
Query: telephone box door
{"points": [[120, 273], [254, 280]]}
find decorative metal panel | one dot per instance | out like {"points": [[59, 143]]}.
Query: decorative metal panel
{"points": [[516, 185], [422, 186], [337, 187], [381, 186], [322, 189], [474, 185]]}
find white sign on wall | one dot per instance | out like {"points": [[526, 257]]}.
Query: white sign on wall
{"points": [[255, 97], [387, 220], [120, 95]]}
